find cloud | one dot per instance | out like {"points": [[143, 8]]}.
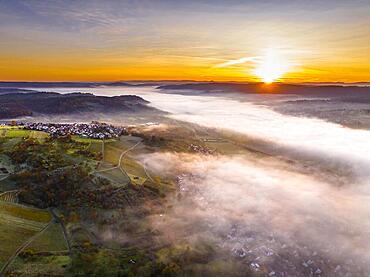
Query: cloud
{"points": [[238, 61]]}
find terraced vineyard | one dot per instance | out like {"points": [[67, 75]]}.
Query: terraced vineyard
{"points": [[9, 196]]}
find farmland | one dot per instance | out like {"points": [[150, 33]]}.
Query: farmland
{"points": [[18, 132], [28, 233], [114, 175], [9, 196], [104, 196], [18, 224], [51, 240], [54, 265], [94, 185], [118, 165]]}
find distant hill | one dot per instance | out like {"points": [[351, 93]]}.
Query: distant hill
{"points": [[276, 88], [14, 90], [17, 104], [48, 84], [76, 84]]}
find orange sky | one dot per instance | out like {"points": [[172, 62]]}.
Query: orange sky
{"points": [[312, 41]]}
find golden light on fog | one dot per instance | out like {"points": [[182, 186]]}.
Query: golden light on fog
{"points": [[271, 68]]}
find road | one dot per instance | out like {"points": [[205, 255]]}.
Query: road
{"points": [[120, 161], [4, 177], [22, 248], [58, 220], [121, 157]]}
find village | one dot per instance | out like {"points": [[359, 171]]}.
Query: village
{"points": [[94, 130]]}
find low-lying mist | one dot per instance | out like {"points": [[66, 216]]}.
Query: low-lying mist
{"points": [[306, 217], [294, 218], [326, 141], [266, 213]]}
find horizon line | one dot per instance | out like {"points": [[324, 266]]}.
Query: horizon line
{"points": [[184, 80]]}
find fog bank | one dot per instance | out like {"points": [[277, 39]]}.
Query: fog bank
{"points": [[327, 141], [267, 213]]}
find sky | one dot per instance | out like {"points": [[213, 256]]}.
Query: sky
{"points": [[288, 41]]}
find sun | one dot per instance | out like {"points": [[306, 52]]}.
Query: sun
{"points": [[271, 68]]}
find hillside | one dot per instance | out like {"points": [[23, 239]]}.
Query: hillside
{"points": [[276, 88], [13, 105]]}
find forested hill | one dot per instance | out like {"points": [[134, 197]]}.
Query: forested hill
{"points": [[13, 105], [275, 88]]}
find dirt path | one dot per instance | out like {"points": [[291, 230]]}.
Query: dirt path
{"points": [[120, 161], [147, 173], [121, 157], [4, 177], [58, 220], [23, 247]]}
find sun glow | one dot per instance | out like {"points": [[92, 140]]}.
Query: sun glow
{"points": [[271, 68]]}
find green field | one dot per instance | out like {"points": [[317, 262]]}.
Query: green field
{"points": [[115, 175], [40, 266], [226, 147], [134, 170], [89, 140], [126, 142], [16, 132], [51, 240], [38, 135], [112, 154], [132, 167], [17, 225], [114, 149], [95, 146], [9, 127]]}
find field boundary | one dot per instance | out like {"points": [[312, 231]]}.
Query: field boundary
{"points": [[23, 247], [64, 230], [119, 165]]}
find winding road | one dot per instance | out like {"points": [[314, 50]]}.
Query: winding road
{"points": [[120, 161]]}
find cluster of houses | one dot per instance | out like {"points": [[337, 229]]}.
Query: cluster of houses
{"points": [[201, 149], [94, 129]]}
